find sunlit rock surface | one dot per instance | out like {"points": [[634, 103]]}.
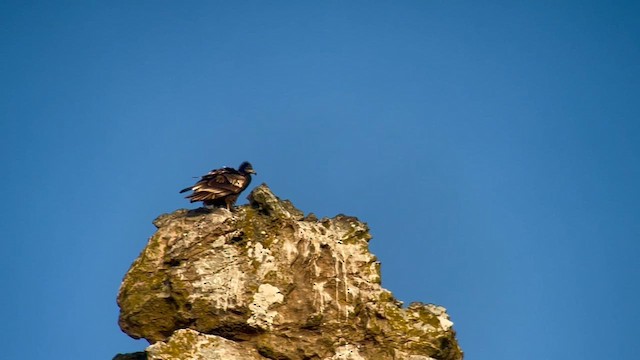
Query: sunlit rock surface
{"points": [[264, 282]]}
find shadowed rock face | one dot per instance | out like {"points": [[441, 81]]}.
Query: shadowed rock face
{"points": [[264, 282]]}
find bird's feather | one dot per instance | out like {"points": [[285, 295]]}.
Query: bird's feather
{"points": [[221, 186]]}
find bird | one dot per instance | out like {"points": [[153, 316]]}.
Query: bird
{"points": [[221, 187]]}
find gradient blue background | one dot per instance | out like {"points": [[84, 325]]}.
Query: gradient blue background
{"points": [[492, 147]]}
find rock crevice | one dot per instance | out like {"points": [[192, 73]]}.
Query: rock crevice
{"points": [[266, 282]]}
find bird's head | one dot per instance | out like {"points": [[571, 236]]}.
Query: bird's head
{"points": [[246, 168]]}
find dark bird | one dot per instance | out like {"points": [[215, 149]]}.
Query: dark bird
{"points": [[221, 187]]}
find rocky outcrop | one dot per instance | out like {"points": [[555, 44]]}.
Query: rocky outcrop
{"points": [[266, 282]]}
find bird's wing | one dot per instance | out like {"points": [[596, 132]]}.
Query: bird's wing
{"points": [[237, 180], [217, 184]]}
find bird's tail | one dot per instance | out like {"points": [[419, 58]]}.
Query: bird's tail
{"points": [[185, 189]]}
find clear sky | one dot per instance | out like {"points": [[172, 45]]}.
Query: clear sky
{"points": [[492, 147]]}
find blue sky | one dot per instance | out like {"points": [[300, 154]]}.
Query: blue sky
{"points": [[492, 147]]}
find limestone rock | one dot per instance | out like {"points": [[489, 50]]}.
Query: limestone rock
{"points": [[265, 282], [186, 344]]}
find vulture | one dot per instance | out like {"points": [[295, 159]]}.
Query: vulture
{"points": [[221, 187]]}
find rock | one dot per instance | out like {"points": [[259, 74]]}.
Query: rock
{"points": [[265, 282], [133, 356], [186, 344]]}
